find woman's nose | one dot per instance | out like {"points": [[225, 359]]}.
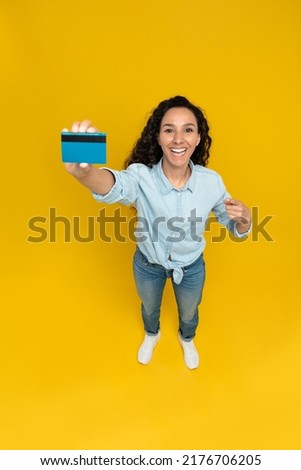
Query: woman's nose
{"points": [[178, 137]]}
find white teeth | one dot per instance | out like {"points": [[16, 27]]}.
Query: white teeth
{"points": [[178, 150]]}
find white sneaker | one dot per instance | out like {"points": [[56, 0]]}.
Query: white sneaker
{"points": [[145, 352], [191, 356]]}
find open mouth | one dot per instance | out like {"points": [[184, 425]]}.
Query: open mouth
{"points": [[178, 152]]}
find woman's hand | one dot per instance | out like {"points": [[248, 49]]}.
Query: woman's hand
{"points": [[80, 170], [100, 182], [238, 212]]}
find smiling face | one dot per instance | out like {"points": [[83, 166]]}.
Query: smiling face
{"points": [[178, 137]]}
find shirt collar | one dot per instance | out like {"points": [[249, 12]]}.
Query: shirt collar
{"points": [[165, 186]]}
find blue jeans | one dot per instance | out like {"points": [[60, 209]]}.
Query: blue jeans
{"points": [[150, 282]]}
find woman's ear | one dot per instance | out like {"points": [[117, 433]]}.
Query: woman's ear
{"points": [[199, 139]]}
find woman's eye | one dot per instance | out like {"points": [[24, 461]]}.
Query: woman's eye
{"points": [[168, 131], [188, 129]]}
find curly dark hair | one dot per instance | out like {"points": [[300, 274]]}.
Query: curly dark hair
{"points": [[147, 149]]}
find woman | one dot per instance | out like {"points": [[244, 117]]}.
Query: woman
{"points": [[165, 179]]}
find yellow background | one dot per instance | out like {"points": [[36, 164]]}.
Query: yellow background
{"points": [[70, 320]]}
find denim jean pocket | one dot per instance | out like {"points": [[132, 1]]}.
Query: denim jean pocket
{"points": [[141, 258], [197, 264]]}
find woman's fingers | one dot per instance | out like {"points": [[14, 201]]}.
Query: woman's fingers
{"points": [[80, 126], [92, 129], [83, 126], [78, 169], [237, 210]]}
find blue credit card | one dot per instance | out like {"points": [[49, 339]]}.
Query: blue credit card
{"points": [[84, 147]]}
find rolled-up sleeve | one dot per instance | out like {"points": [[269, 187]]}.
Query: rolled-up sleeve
{"points": [[221, 213], [125, 188]]}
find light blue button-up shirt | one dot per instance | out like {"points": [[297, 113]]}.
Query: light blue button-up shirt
{"points": [[171, 221]]}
